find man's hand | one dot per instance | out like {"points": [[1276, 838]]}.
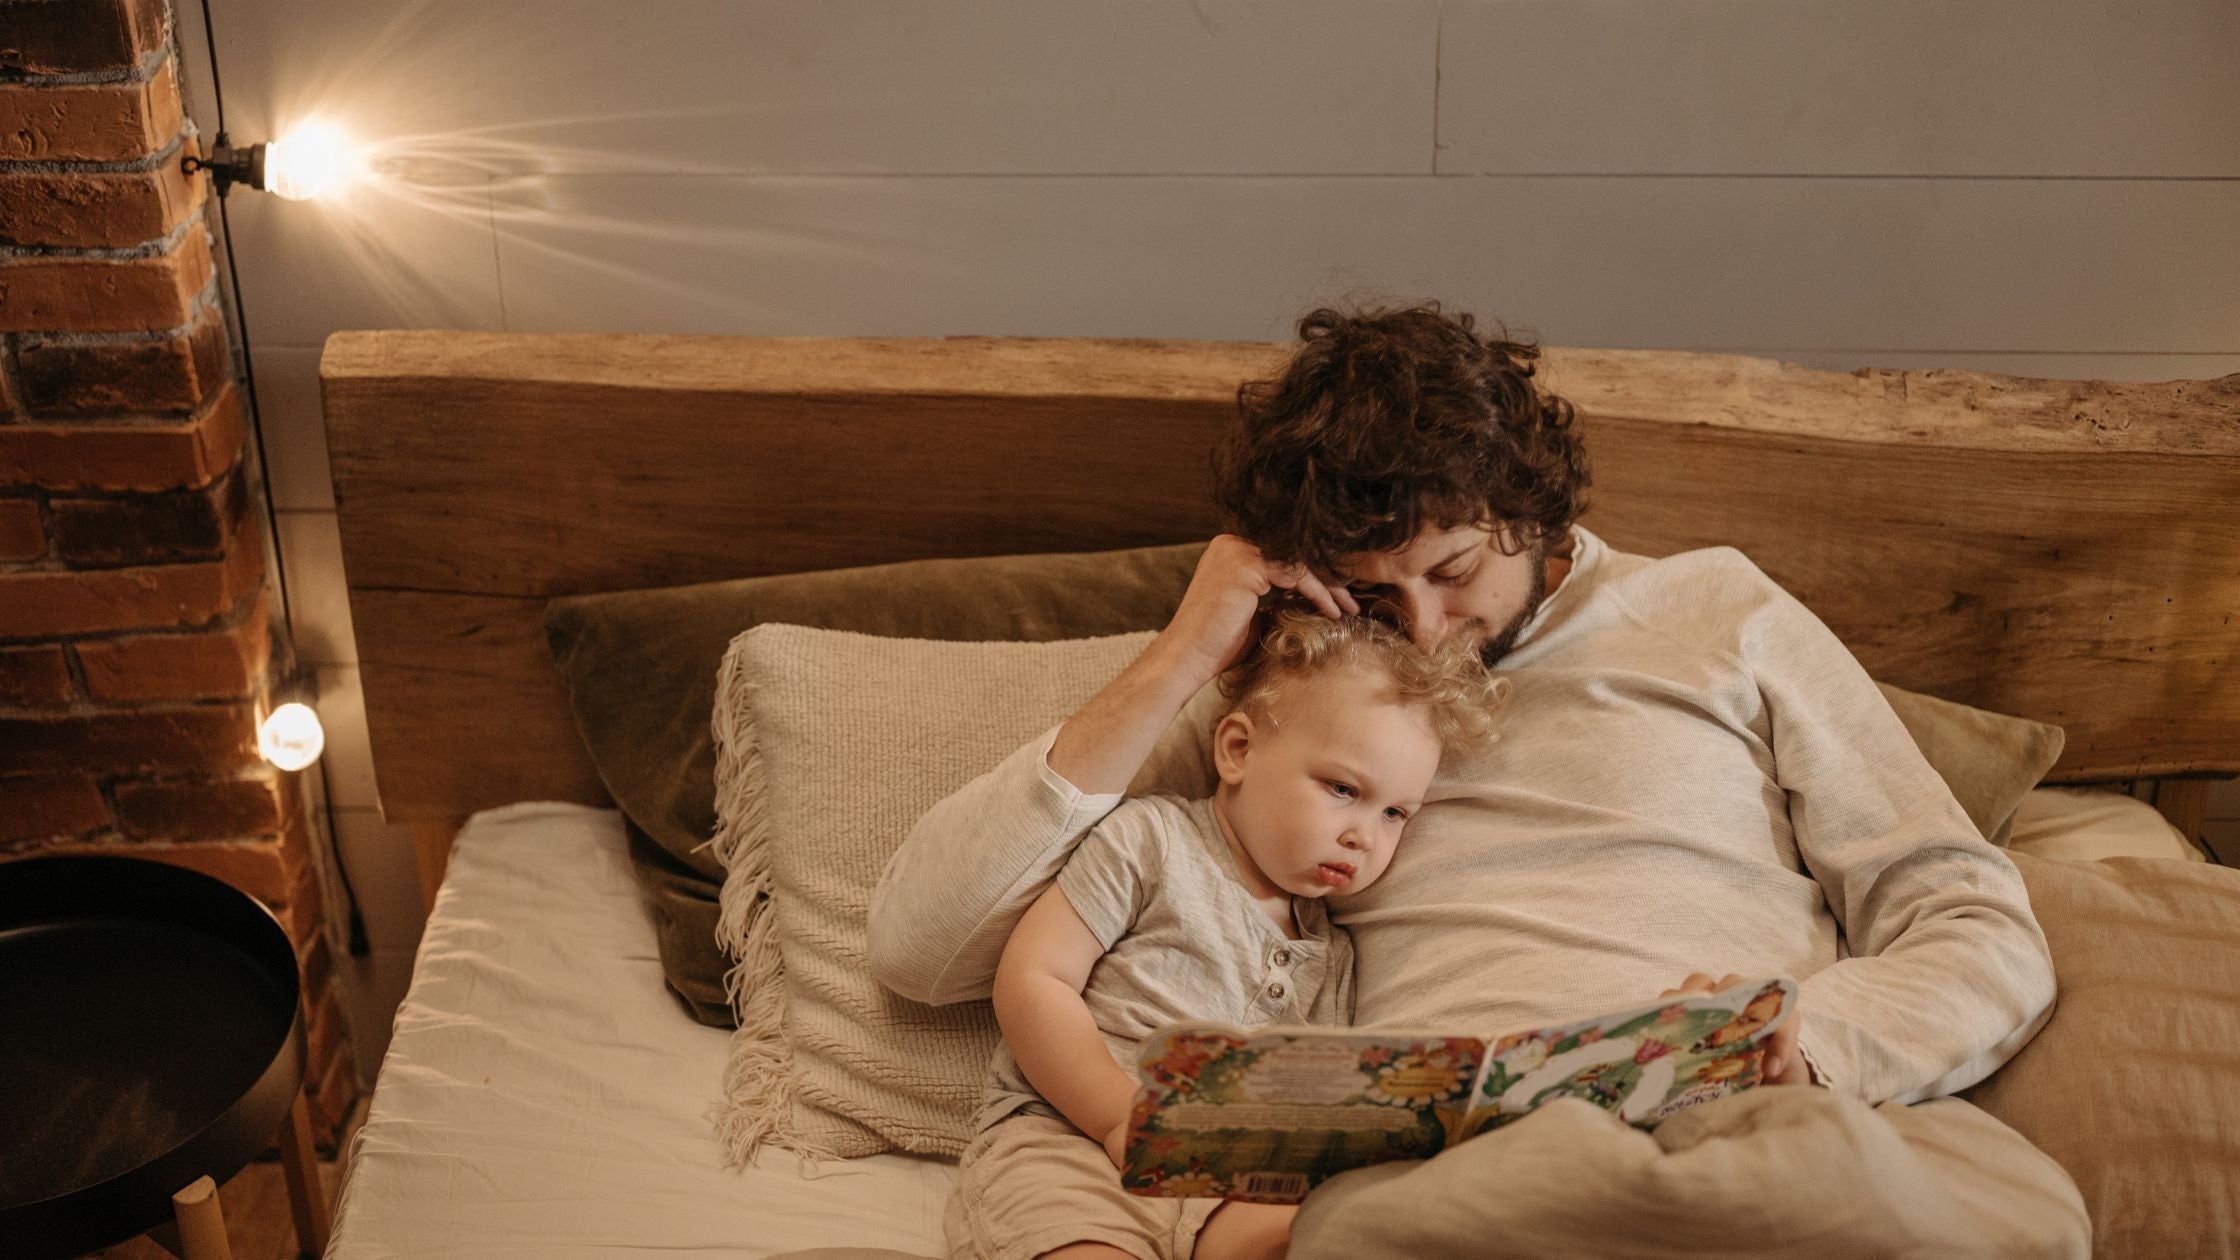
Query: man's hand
{"points": [[1785, 1064], [1116, 1145], [1217, 620]]}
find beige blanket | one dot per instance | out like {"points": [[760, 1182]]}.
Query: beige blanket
{"points": [[1784, 1172]]}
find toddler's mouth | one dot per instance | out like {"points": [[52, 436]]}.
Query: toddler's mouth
{"points": [[1336, 874]]}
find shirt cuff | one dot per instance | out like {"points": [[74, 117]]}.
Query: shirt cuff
{"points": [[1078, 803], [1819, 1074]]}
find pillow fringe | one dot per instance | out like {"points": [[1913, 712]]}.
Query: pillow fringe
{"points": [[760, 1098]]}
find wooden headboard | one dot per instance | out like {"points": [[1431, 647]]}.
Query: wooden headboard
{"points": [[2067, 551]]}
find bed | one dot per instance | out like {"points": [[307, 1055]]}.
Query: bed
{"points": [[2062, 551]]}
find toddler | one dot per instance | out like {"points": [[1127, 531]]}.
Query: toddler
{"points": [[1205, 909]]}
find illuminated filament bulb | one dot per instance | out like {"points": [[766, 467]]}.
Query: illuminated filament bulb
{"points": [[291, 738], [315, 157]]}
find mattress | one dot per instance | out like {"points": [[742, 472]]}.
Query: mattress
{"points": [[544, 1096]]}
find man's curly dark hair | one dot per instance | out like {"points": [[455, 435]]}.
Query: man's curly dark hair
{"points": [[1386, 421]]}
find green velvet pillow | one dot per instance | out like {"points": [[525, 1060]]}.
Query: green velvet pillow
{"points": [[640, 668]]}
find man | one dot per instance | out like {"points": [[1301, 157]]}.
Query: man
{"points": [[1694, 778]]}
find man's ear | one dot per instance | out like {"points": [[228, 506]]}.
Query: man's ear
{"points": [[1232, 741]]}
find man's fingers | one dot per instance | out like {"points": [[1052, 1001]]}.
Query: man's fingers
{"points": [[1312, 587], [1329, 600], [1783, 1066]]}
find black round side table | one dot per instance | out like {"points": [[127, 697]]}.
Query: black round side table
{"points": [[150, 1046]]}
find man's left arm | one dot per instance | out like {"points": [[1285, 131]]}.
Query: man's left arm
{"points": [[1948, 974]]}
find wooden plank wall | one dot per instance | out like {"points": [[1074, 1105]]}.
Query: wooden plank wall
{"points": [[2041, 187]]}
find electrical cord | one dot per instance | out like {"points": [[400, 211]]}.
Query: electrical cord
{"points": [[359, 943]]}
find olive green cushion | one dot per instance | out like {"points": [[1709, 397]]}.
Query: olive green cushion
{"points": [[1989, 760], [640, 668]]}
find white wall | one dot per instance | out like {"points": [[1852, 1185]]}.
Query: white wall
{"points": [[2045, 187]]}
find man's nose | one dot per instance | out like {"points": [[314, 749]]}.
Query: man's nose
{"points": [[1427, 622]]}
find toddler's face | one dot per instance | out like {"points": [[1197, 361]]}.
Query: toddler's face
{"points": [[1319, 796]]}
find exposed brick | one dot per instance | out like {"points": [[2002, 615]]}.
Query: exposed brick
{"points": [[91, 122], [301, 914], [171, 372], [21, 535], [214, 664], [121, 457], [40, 604], [159, 528], [35, 677], [323, 1026], [332, 1098], [78, 36], [314, 961], [41, 806], [75, 294], [214, 739], [207, 809], [97, 209]]}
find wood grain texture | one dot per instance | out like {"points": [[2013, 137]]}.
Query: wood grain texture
{"points": [[2063, 550]]}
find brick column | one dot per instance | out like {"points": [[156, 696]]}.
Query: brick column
{"points": [[136, 628]]}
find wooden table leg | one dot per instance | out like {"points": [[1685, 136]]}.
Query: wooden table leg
{"points": [[202, 1225], [307, 1195]]}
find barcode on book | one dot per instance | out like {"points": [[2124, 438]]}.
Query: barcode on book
{"points": [[1273, 1185]]}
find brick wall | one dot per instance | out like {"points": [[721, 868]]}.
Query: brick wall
{"points": [[137, 634]]}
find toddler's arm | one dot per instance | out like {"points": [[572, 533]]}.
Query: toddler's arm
{"points": [[1038, 1002]]}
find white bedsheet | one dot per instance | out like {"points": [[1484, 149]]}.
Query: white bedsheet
{"points": [[544, 1096]]}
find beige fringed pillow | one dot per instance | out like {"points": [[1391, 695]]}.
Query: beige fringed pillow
{"points": [[829, 746]]}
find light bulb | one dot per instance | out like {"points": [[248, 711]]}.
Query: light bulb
{"points": [[315, 157], [291, 738]]}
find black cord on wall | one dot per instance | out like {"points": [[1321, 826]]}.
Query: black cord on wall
{"points": [[360, 943]]}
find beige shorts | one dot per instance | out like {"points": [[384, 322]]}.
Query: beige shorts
{"points": [[1033, 1183]]}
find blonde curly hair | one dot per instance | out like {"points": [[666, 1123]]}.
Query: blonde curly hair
{"points": [[1450, 684]]}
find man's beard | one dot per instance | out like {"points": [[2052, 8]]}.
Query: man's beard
{"points": [[1499, 645]]}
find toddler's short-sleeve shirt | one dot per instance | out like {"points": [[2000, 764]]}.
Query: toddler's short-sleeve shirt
{"points": [[1156, 885]]}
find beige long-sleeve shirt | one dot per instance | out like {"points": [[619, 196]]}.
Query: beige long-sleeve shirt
{"points": [[1693, 775]]}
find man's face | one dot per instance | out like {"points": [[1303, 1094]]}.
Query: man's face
{"points": [[1453, 581]]}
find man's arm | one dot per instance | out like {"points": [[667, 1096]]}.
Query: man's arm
{"points": [[1046, 1024], [1949, 974], [970, 868]]}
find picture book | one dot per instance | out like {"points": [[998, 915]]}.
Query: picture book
{"points": [[1267, 1114]]}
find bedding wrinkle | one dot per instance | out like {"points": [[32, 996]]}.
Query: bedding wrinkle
{"points": [[565, 1120]]}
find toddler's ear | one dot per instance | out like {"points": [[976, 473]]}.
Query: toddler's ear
{"points": [[1232, 743]]}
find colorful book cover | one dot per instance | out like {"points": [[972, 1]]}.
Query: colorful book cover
{"points": [[1267, 1114]]}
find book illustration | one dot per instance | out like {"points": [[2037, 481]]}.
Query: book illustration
{"points": [[1266, 1115]]}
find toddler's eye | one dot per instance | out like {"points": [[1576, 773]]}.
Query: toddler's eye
{"points": [[1396, 814], [1340, 789]]}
